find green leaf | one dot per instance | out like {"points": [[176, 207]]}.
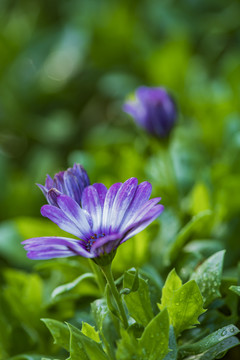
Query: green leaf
{"points": [[155, 284], [59, 331], [235, 289], [84, 348], [26, 308], [111, 302], [127, 347], [104, 323], [135, 284], [26, 357], [184, 303], [209, 341], [153, 345], [71, 285], [81, 346], [138, 302], [100, 312], [208, 277], [153, 275], [136, 329], [204, 247], [172, 355], [217, 351], [172, 284], [186, 231], [187, 263], [90, 332], [200, 200]]}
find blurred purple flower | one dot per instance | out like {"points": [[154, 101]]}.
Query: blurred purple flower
{"points": [[105, 219], [153, 109], [71, 182]]}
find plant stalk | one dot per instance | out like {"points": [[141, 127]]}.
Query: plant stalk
{"points": [[107, 271], [98, 276]]}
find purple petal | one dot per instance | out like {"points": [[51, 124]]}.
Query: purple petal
{"points": [[58, 217], [43, 189], [102, 191], [107, 208], [91, 203], [145, 209], [58, 182], [49, 254], [141, 196], [73, 211], [121, 203], [81, 175], [106, 244], [144, 222], [72, 186], [70, 182], [137, 110], [57, 241], [147, 94], [49, 247], [49, 182], [131, 108]]}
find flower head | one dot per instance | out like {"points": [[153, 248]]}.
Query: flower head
{"points": [[71, 182], [153, 109], [105, 219]]}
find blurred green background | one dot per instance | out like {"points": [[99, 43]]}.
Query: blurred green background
{"points": [[66, 68]]}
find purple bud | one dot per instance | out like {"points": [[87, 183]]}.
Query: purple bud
{"points": [[153, 109], [52, 196], [71, 182]]}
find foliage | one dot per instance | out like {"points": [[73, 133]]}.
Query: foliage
{"points": [[66, 68]]}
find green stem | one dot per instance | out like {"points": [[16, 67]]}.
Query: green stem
{"points": [[101, 284], [98, 275], [107, 271]]}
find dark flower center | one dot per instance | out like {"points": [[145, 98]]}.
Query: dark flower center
{"points": [[92, 240]]}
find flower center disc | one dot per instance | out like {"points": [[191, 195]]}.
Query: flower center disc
{"points": [[92, 240]]}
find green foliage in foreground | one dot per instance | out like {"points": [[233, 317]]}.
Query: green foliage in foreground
{"points": [[181, 327], [153, 336]]}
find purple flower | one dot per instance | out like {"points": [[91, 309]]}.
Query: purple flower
{"points": [[71, 182], [153, 109], [105, 219]]}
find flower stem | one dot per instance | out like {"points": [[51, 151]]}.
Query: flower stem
{"points": [[101, 284], [107, 271], [98, 276]]}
